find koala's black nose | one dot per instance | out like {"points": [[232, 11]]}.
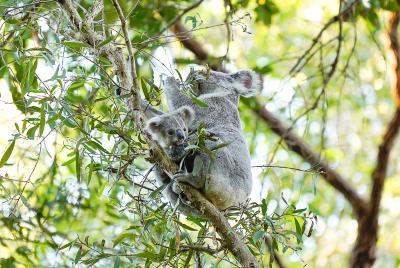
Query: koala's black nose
{"points": [[180, 135]]}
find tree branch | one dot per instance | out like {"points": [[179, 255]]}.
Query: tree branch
{"points": [[230, 238], [128, 45], [363, 254], [300, 147], [189, 42]]}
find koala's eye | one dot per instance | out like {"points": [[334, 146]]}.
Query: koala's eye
{"points": [[184, 129], [170, 132]]}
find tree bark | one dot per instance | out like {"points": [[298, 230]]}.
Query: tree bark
{"points": [[364, 250]]}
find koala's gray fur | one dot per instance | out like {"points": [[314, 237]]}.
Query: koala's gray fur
{"points": [[225, 180], [170, 131]]}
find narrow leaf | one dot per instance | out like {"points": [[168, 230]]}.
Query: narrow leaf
{"points": [[7, 154], [197, 101], [42, 120], [74, 44], [106, 41], [78, 165]]}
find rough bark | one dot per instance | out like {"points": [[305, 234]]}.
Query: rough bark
{"points": [[230, 239]]}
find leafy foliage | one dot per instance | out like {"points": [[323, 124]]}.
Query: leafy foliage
{"points": [[76, 186]]}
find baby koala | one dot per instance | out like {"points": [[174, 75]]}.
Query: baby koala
{"points": [[170, 131]]}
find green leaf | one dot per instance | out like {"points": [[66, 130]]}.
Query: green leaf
{"points": [[30, 76], [193, 19], [74, 44], [158, 190], [90, 172], [122, 236], [106, 41], [258, 235], [78, 165], [117, 262], [187, 227], [54, 118], [7, 154], [75, 85], [78, 255], [221, 145], [197, 166], [145, 90], [31, 132], [179, 74], [96, 145], [42, 120], [196, 100], [66, 245]]}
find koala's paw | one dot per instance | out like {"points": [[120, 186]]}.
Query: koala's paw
{"points": [[181, 176], [175, 188]]}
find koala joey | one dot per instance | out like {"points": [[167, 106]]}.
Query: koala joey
{"points": [[224, 179], [170, 131]]}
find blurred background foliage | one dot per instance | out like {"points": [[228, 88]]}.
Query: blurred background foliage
{"points": [[75, 186]]}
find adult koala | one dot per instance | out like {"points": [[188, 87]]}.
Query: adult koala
{"points": [[224, 179]]}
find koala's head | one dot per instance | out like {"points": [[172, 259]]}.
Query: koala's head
{"points": [[244, 83], [170, 130]]}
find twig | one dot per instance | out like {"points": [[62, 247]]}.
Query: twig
{"points": [[128, 43]]}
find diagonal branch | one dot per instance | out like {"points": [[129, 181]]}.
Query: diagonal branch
{"points": [[295, 143], [300, 147]]}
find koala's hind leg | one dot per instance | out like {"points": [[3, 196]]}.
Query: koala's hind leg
{"points": [[178, 196], [162, 178], [198, 172]]}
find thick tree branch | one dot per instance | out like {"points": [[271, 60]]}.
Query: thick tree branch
{"points": [[364, 251], [131, 91], [294, 142], [394, 46], [189, 42], [230, 239], [300, 147]]}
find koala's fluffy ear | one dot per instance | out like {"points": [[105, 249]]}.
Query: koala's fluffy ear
{"points": [[152, 126], [187, 114], [247, 83]]}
